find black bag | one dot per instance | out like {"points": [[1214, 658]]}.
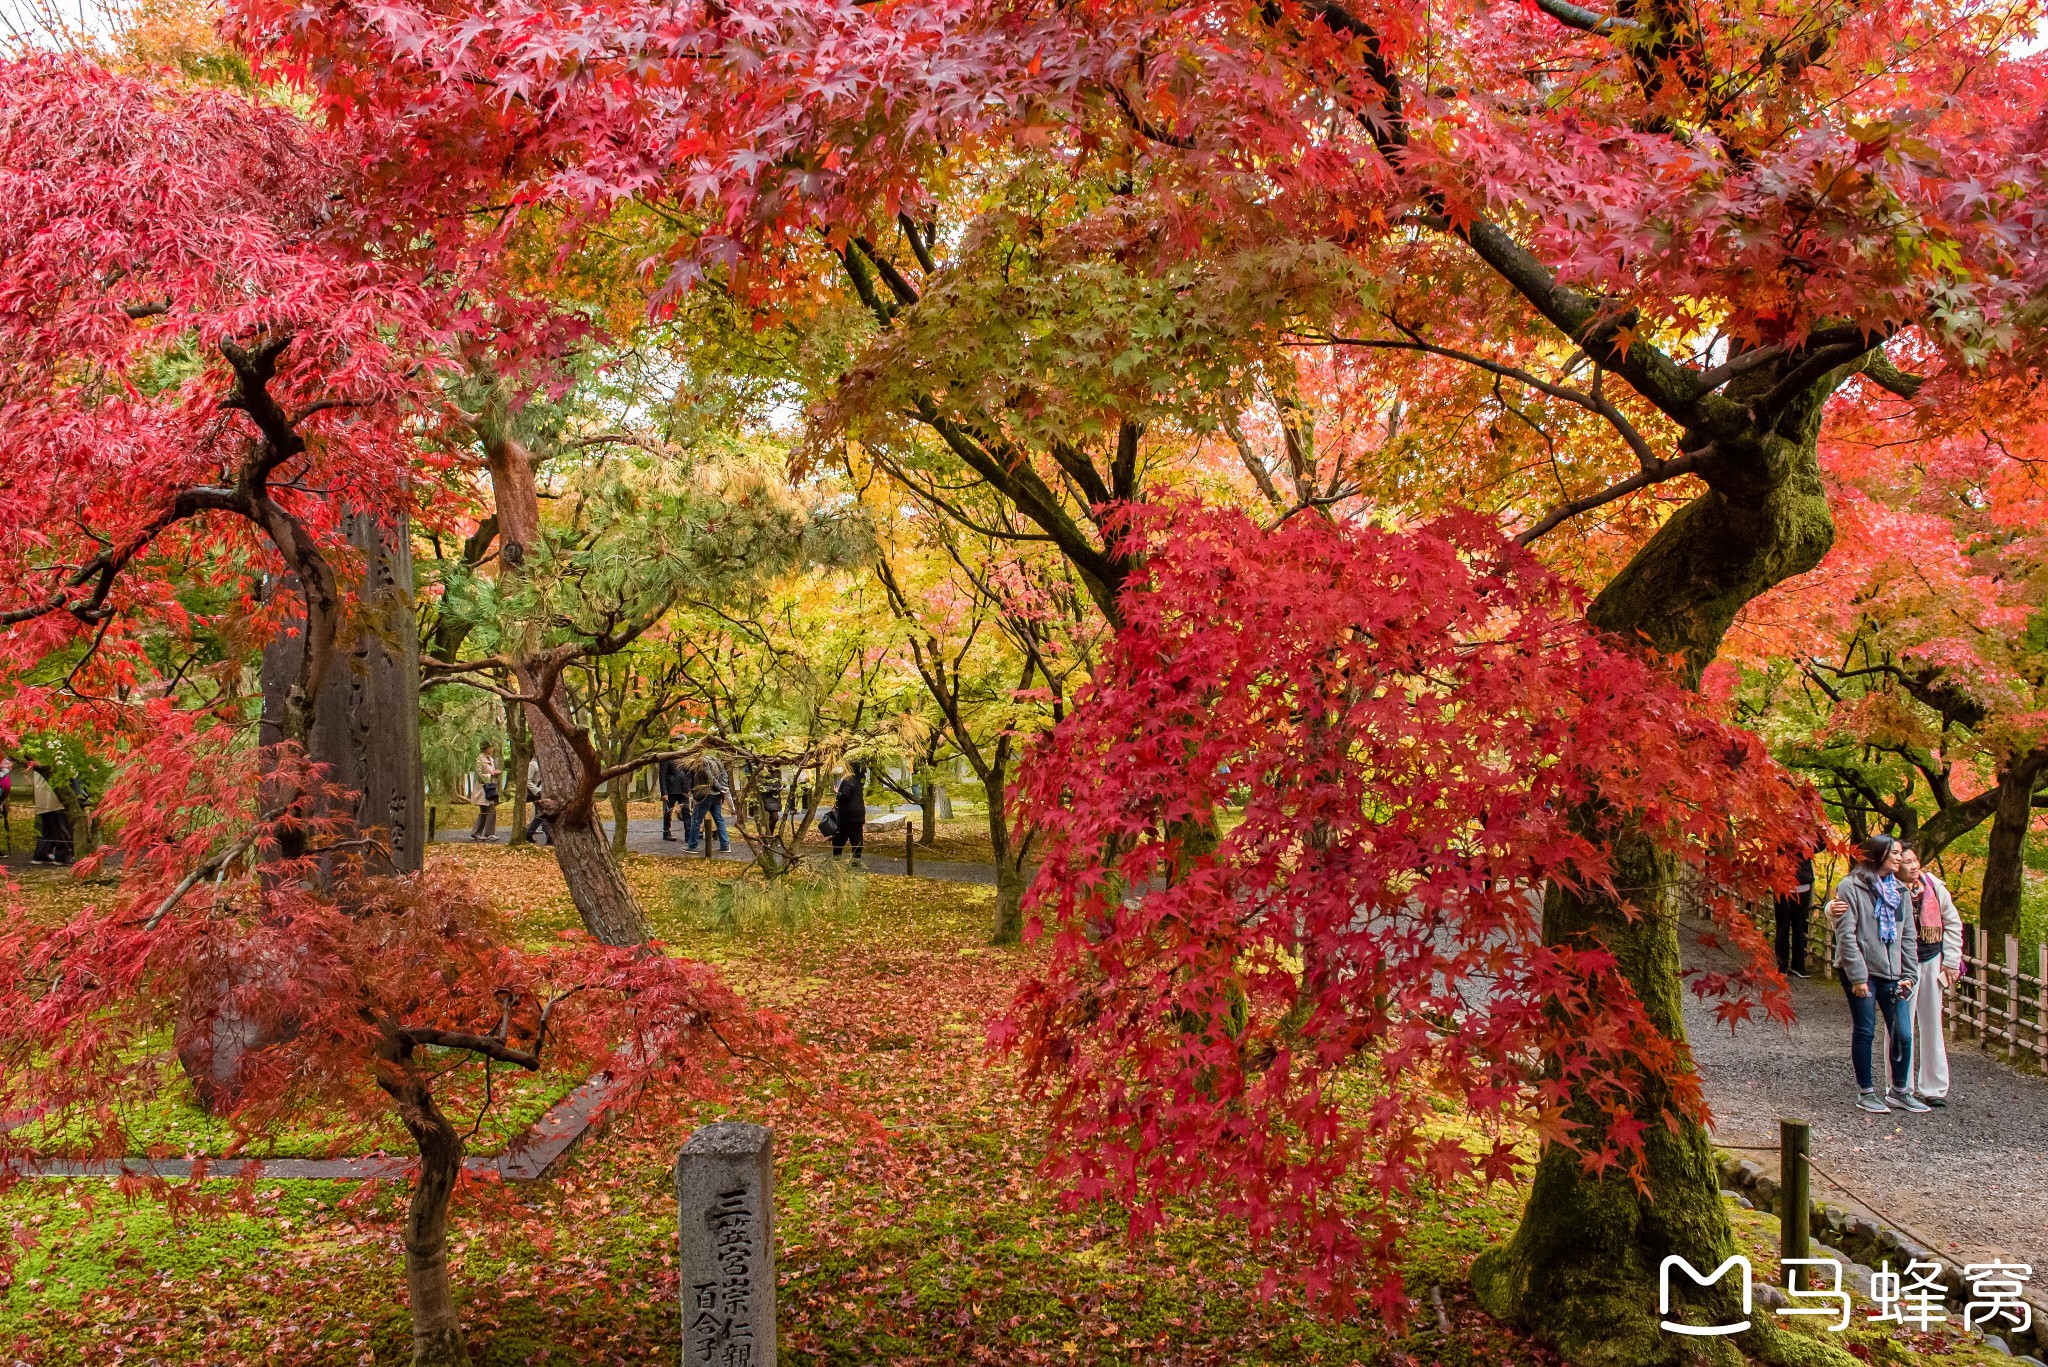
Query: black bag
{"points": [[828, 825], [490, 794]]}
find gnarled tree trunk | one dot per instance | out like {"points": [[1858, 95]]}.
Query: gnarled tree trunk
{"points": [[364, 728], [436, 1327], [568, 765], [1583, 1266]]}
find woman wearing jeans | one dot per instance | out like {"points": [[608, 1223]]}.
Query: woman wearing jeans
{"points": [[1878, 966]]}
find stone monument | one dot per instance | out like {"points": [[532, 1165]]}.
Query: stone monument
{"points": [[725, 1219]]}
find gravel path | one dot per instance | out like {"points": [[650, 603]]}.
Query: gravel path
{"points": [[1971, 1179], [884, 850]]}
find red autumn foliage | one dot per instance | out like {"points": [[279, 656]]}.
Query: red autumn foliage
{"points": [[353, 996], [1746, 172], [1420, 730]]}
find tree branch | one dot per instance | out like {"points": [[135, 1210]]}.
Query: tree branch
{"points": [[1656, 473], [1144, 125], [214, 865], [1583, 19]]}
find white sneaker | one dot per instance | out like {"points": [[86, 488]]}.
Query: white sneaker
{"points": [[1906, 1101], [1872, 1102]]}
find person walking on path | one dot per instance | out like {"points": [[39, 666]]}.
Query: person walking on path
{"points": [[1938, 938], [849, 814], [487, 776], [1794, 910], [6, 797], [707, 803], [1877, 966], [536, 829], [771, 801], [674, 779], [53, 836]]}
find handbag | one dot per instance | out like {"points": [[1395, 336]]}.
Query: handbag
{"points": [[490, 793], [828, 825]]}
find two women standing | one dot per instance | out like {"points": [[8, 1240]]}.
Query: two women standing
{"points": [[1878, 964]]}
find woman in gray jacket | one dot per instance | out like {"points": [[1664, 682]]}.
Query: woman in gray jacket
{"points": [[1878, 967]]}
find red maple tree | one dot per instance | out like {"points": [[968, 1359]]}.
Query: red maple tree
{"points": [[1421, 732]]}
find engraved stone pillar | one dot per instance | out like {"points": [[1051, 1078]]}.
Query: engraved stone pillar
{"points": [[725, 1218]]}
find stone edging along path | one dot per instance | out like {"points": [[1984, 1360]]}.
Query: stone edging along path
{"points": [[526, 1159], [1859, 1241]]}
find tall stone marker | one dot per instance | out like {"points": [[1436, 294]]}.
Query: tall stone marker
{"points": [[725, 1218]]}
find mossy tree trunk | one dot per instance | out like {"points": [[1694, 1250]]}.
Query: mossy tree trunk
{"points": [[1583, 1267], [2005, 855]]}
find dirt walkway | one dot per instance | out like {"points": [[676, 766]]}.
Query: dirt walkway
{"points": [[1971, 1179]]}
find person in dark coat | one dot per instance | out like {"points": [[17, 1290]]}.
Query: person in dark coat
{"points": [[1792, 914], [676, 782], [53, 825], [850, 812]]}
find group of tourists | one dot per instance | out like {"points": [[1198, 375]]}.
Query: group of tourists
{"points": [[697, 787], [1898, 952]]}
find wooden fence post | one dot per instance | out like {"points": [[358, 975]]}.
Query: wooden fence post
{"points": [[1795, 1200], [1980, 980], [2012, 998], [2041, 1003]]}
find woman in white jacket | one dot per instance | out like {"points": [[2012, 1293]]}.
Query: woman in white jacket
{"points": [[1939, 936]]}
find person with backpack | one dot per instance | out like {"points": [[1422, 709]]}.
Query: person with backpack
{"points": [[850, 814], [1878, 967], [707, 803], [487, 776], [1938, 941], [7, 797]]}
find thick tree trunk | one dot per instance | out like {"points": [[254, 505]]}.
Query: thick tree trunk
{"points": [[596, 884], [928, 802], [436, 1326], [616, 792], [2005, 856], [365, 722], [364, 727], [1583, 1267]]}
